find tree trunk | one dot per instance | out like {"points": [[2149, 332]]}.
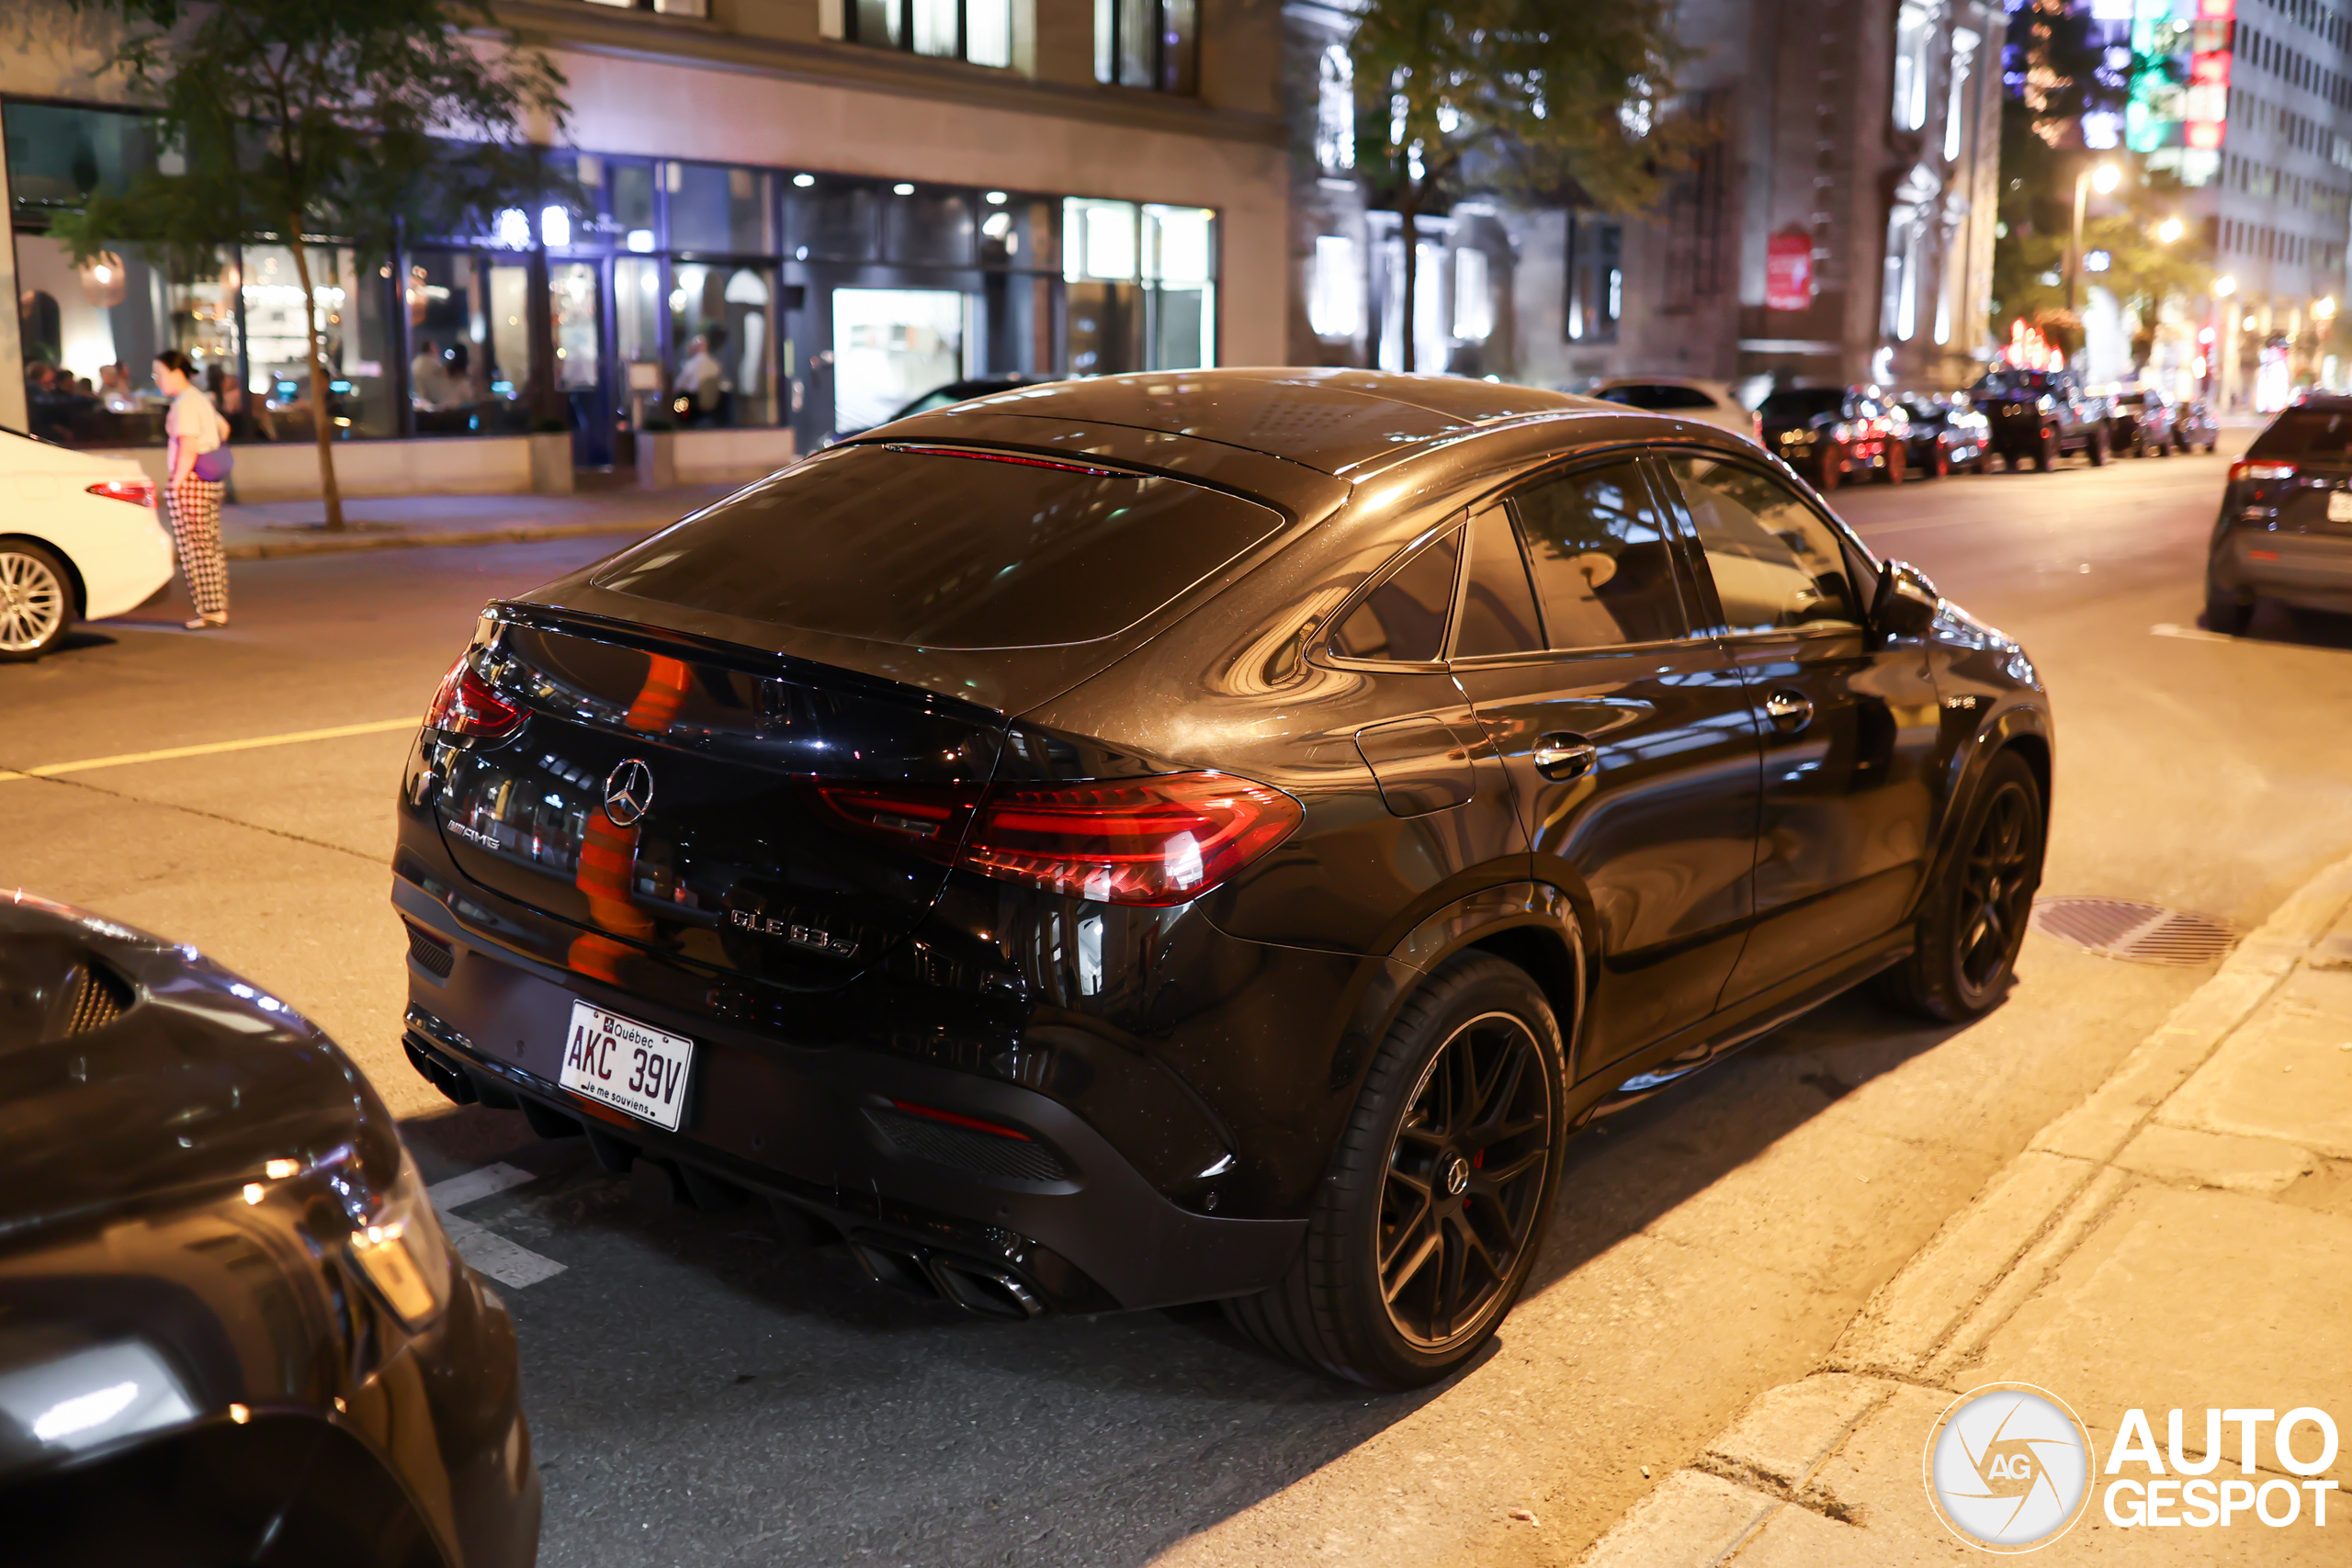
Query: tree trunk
{"points": [[1408, 213], [320, 420]]}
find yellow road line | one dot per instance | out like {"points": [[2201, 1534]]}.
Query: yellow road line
{"points": [[210, 748]]}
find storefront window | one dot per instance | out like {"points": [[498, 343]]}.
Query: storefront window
{"points": [[467, 359], [353, 338], [1105, 300], [722, 321], [1178, 248], [1017, 231], [720, 209], [637, 335], [831, 219], [924, 227], [91, 332], [892, 345], [631, 194]]}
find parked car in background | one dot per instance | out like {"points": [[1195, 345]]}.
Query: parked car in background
{"points": [[1832, 434], [2193, 425], [79, 540], [2038, 416], [964, 392], [2140, 422], [1493, 756], [1946, 433], [232, 1330], [1684, 397], [2285, 531]]}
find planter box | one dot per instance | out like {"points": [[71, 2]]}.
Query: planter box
{"points": [[550, 462], [468, 465], [657, 460], [724, 456]]}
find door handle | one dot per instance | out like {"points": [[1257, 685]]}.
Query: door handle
{"points": [[1558, 757], [1789, 711]]}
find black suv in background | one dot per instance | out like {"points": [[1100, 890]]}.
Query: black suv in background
{"points": [[2040, 415], [1830, 433], [2285, 531]]}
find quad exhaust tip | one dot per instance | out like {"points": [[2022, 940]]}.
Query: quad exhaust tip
{"points": [[975, 1287]]}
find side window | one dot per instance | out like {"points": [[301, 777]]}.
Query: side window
{"points": [[1604, 569], [1776, 564], [1497, 606], [1403, 620]]}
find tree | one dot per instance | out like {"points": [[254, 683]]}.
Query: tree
{"points": [[298, 121], [1531, 99]]}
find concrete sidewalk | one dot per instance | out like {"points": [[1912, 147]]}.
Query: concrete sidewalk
{"points": [[2176, 1241], [258, 531]]}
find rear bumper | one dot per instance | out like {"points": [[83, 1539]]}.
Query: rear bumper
{"points": [[2314, 570], [1065, 1213]]}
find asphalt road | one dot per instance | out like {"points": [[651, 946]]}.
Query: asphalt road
{"points": [[704, 1393]]}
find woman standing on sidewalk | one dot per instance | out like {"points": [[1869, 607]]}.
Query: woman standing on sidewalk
{"points": [[194, 428]]}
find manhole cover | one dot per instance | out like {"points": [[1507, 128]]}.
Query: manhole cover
{"points": [[2145, 934]]}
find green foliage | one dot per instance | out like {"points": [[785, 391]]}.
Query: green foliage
{"points": [[357, 121], [354, 119], [1530, 99]]}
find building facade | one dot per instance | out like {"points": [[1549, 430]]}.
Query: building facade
{"points": [[1839, 228], [802, 215]]}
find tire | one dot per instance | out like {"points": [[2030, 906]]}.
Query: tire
{"points": [[1972, 920], [2211, 445], [1939, 465], [2096, 448], [1829, 468], [1408, 1173], [2226, 611], [2045, 456], [36, 600], [1897, 465]]}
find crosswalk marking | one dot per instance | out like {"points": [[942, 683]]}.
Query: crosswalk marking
{"points": [[510, 1263]]}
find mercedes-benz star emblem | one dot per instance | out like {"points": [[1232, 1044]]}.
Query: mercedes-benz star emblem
{"points": [[628, 792]]}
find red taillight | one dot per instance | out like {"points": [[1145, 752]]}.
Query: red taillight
{"points": [[957, 1119], [2261, 472], [465, 706], [139, 492], [1165, 839], [1024, 461]]}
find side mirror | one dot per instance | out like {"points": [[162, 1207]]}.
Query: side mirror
{"points": [[1904, 604]]}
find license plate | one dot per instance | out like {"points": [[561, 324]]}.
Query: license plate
{"points": [[626, 1064], [2339, 506]]}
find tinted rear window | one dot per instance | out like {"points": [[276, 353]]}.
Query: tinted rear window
{"points": [[1791, 405], [936, 550], [2305, 433]]}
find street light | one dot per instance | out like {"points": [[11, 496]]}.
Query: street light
{"points": [[2102, 177], [2326, 309], [2168, 231], [2224, 286]]}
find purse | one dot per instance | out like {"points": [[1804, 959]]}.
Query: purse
{"points": [[213, 466]]}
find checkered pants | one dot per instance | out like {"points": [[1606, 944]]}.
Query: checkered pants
{"points": [[196, 528]]}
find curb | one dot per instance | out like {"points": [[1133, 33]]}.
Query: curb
{"points": [[1943, 1304], [270, 549]]}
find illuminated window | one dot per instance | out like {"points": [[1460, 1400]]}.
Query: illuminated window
{"points": [[977, 31], [1335, 112], [1153, 44]]}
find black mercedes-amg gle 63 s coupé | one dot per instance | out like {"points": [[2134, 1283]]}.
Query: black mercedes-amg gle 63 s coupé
{"points": [[1205, 836]]}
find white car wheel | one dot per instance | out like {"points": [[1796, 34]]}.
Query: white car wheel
{"points": [[36, 605]]}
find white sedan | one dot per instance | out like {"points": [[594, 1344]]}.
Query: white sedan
{"points": [[1685, 397], [79, 540]]}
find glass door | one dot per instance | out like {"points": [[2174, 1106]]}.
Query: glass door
{"points": [[577, 296]]}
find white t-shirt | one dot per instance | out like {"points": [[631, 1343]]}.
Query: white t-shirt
{"points": [[195, 424]]}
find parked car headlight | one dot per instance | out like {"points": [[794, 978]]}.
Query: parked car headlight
{"points": [[401, 1248]]}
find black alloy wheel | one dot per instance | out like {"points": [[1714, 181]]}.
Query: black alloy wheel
{"points": [[2098, 447], [1464, 1171], [1425, 1229], [1972, 918]]}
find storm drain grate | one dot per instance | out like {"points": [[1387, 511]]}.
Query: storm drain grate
{"points": [[2144, 933]]}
